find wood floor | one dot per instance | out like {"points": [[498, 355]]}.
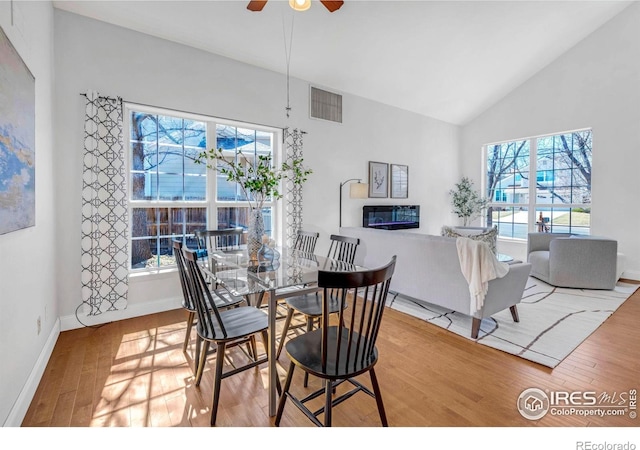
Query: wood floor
{"points": [[133, 373]]}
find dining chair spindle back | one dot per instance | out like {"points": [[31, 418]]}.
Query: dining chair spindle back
{"points": [[343, 348], [223, 299], [226, 239], [306, 241], [223, 328], [343, 249]]}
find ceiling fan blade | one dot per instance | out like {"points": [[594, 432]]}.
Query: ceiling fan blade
{"points": [[332, 5], [256, 5]]}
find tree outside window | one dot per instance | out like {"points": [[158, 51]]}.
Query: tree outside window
{"points": [[171, 195], [560, 166]]}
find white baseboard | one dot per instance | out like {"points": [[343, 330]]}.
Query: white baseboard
{"points": [[631, 275], [72, 322], [21, 406]]}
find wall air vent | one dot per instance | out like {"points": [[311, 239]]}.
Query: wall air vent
{"points": [[326, 105]]}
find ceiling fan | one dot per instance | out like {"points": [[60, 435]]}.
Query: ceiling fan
{"points": [[298, 5]]}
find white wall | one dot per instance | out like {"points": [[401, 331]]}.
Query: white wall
{"points": [[596, 84], [27, 257], [143, 69]]}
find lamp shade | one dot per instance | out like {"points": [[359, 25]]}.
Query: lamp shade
{"points": [[358, 190], [300, 5]]}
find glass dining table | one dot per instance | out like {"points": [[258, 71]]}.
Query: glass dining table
{"points": [[293, 273]]}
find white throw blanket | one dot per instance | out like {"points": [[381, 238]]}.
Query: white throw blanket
{"points": [[479, 266]]}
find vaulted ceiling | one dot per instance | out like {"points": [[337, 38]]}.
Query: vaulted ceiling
{"points": [[449, 60]]}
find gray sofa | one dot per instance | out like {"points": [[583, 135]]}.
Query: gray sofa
{"points": [[428, 270], [573, 261], [484, 234]]}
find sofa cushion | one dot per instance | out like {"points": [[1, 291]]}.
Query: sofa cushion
{"points": [[539, 264], [428, 270], [490, 237]]}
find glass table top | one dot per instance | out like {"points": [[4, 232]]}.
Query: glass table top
{"points": [[504, 258], [293, 269]]}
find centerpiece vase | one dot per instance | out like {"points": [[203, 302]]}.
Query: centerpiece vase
{"points": [[254, 233], [268, 258]]}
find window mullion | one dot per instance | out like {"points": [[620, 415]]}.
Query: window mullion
{"points": [[533, 177], [212, 180], [184, 213], [556, 192]]}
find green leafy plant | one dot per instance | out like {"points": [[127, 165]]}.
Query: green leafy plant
{"points": [[258, 181], [466, 201]]}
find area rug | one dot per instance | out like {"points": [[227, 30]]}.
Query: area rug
{"points": [[553, 321]]}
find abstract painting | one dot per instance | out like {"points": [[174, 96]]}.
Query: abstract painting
{"points": [[17, 141]]}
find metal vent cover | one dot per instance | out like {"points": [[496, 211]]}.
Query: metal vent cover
{"points": [[325, 105]]}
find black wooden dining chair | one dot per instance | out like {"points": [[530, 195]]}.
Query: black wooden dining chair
{"points": [[224, 328], [223, 299], [344, 348], [226, 239], [342, 248], [306, 241]]}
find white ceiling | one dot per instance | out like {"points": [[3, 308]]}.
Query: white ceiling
{"points": [[449, 60]]}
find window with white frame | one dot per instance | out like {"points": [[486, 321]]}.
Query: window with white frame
{"points": [[559, 199], [172, 196]]}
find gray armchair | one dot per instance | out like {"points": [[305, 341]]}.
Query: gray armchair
{"points": [[573, 261]]}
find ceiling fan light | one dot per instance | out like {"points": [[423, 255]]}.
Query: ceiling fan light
{"points": [[300, 5]]}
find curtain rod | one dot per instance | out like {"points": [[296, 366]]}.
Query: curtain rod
{"points": [[83, 94]]}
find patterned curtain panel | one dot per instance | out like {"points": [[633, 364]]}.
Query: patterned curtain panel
{"points": [[104, 208], [293, 193]]}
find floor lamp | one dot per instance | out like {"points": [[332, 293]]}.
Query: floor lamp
{"points": [[356, 190]]}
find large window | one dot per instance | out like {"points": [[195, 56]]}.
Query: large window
{"points": [[173, 196], [233, 211], [559, 198]]}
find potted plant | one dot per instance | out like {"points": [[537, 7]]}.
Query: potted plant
{"points": [[259, 181], [466, 201]]}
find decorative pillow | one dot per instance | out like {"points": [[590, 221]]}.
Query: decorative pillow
{"points": [[490, 236]]}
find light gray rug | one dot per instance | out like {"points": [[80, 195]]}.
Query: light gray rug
{"points": [[553, 321]]}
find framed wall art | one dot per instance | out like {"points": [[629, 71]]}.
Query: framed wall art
{"points": [[378, 179], [17, 140], [399, 181]]}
